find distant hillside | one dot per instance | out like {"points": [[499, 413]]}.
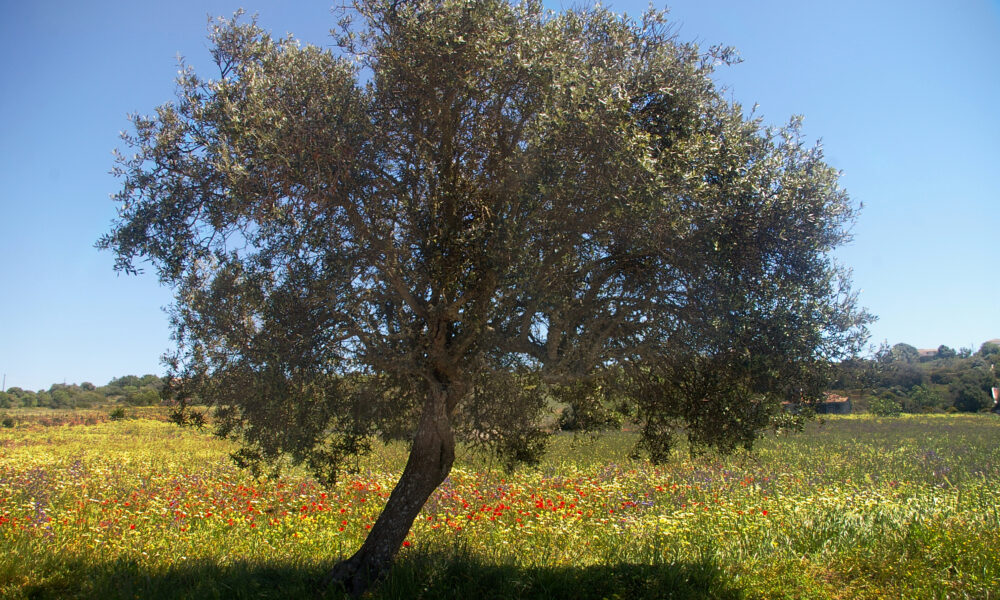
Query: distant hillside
{"points": [[928, 380], [129, 389]]}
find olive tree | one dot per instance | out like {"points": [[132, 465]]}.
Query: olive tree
{"points": [[465, 208]]}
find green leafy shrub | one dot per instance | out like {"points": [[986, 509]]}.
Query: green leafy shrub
{"points": [[885, 406]]}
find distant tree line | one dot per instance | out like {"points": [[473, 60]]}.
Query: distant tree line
{"points": [[130, 390], [896, 379], [903, 379]]}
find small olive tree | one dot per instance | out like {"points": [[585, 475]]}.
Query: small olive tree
{"points": [[469, 206]]}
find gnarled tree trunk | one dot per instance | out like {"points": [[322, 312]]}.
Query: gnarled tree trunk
{"points": [[429, 463]]}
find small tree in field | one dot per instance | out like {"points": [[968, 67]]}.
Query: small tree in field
{"points": [[470, 207]]}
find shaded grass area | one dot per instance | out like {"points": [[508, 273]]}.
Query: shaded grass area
{"points": [[420, 575]]}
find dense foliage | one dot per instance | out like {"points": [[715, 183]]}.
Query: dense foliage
{"points": [[473, 205]]}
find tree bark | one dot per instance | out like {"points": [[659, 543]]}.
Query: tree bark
{"points": [[429, 463]]}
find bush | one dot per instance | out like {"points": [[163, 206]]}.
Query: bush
{"points": [[7, 421], [922, 399], [885, 406], [968, 397], [146, 396], [117, 414]]}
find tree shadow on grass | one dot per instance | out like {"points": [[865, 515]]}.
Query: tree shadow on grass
{"points": [[417, 575]]}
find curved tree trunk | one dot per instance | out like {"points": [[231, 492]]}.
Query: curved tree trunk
{"points": [[430, 460]]}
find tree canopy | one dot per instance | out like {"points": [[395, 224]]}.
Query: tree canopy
{"points": [[467, 207]]}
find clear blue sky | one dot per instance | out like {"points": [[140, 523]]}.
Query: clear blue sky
{"points": [[903, 95]]}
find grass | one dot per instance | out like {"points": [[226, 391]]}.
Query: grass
{"points": [[853, 507]]}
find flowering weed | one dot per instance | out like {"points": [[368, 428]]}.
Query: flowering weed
{"points": [[854, 506]]}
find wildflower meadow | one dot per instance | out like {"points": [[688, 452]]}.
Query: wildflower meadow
{"points": [[854, 507]]}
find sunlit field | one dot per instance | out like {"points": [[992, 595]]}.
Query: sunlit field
{"points": [[854, 507]]}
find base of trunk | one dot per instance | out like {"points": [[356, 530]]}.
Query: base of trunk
{"points": [[357, 574]]}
